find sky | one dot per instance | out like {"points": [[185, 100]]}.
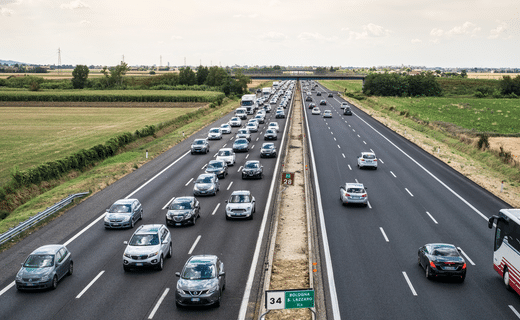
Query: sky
{"points": [[359, 33]]}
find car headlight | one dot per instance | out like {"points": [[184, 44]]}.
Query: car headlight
{"points": [[46, 277], [106, 219], [210, 291], [153, 254], [179, 290], [188, 215], [195, 187], [125, 219], [127, 255], [18, 277]]}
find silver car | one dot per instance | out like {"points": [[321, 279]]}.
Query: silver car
{"points": [[253, 169], [353, 193], [268, 150], [241, 204], [225, 128], [123, 213], [183, 210], [218, 167], [44, 267], [206, 184], [367, 159], [327, 114], [260, 118], [244, 133], [200, 146], [270, 134], [201, 282], [228, 155], [235, 122], [274, 125], [252, 126], [241, 145], [149, 246], [214, 134]]}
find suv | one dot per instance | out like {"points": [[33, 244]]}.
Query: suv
{"points": [[253, 169], [367, 159], [148, 247], [201, 282], [241, 204], [214, 134], [353, 193], [183, 210], [347, 111], [200, 146], [123, 213]]}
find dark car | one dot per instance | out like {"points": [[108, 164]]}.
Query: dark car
{"points": [[308, 98], [441, 259], [201, 282], [253, 169], [330, 95], [123, 213], [206, 184], [270, 134], [323, 102], [347, 111], [268, 150], [241, 145], [318, 93], [312, 105], [218, 167], [44, 267], [200, 146], [183, 210]]}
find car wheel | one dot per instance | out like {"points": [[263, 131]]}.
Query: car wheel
{"points": [[54, 282], [160, 266], [141, 216], [217, 303], [428, 272], [193, 220], [71, 268], [132, 223], [507, 279], [375, 168], [169, 254]]}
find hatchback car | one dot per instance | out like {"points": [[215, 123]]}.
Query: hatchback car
{"points": [[318, 93], [442, 260], [330, 95], [280, 114], [268, 150], [214, 134], [44, 267], [241, 145], [323, 102], [327, 114], [149, 246], [235, 122], [353, 193], [252, 126], [260, 117], [200, 146], [206, 184], [241, 204], [367, 159], [183, 210], [218, 167], [123, 213], [343, 105], [312, 105], [228, 155], [274, 125], [201, 282], [252, 169], [244, 133], [270, 134], [316, 110], [308, 98], [225, 128], [347, 111]]}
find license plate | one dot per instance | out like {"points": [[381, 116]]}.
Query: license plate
{"points": [[356, 198], [450, 268], [30, 284], [115, 224], [139, 264], [178, 224], [203, 192], [195, 299]]}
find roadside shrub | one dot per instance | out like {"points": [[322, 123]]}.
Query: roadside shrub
{"points": [[35, 86], [505, 155], [483, 141], [395, 85], [3, 214]]}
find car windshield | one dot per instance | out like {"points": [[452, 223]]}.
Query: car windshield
{"points": [[214, 131], [199, 271], [198, 142], [251, 124], [224, 153], [273, 125], [356, 190], [215, 165], [242, 131], [144, 240], [369, 156], [120, 208], [204, 180], [269, 131], [240, 141], [181, 205], [252, 165], [268, 146], [239, 198], [39, 261], [445, 251]]}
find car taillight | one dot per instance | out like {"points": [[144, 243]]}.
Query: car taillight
{"points": [[432, 264], [375, 159], [463, 266], [364, 195], [347, 195]]}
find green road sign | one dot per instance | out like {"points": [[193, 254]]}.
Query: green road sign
{"points": [[288, 178], [289, 299]]}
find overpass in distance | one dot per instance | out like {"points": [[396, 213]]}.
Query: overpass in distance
{"points": [[304, 76]]}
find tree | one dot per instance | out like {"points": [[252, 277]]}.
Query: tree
{"points": [[464, 73], [187, 76], [202, 74], [216, 77], [80, 76]]}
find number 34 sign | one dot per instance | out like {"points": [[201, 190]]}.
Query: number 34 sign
{"points": [[289, 299]]}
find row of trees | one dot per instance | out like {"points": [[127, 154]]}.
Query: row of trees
{"points": [[392, 84]]}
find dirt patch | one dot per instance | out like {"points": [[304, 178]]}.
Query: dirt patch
{"points": [[74, 104], [510, 144], [255, 83]]}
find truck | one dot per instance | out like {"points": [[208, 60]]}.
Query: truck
{"points": [[249, 102], [266, 92]]}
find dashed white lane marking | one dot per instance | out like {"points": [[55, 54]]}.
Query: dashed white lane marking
{"points": [[343, 155], [247, 155], [431, 217], [168, 203], [514, 311], [364, 142], [252, 146], [230, 184], [409, 283], [408, 191], [381, 161], [372, 151], [349, 167], [384, 234], [257, 138], [194, 244], [90, 284], [358, 136], [239, 169], [215, 155], [204, 167], [393, 174], [465, 255], [218, 204], [331, 132], [225, 144], [335, 139], [369, 205], [188, 182], [339, 146]]}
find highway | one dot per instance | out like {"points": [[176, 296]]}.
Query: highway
{"points": [[99, 288], [414, 199]]}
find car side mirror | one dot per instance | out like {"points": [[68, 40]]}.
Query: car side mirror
{"points": [[125, 242], [165, 242], [178, 274], [226, 201], [222, 273]]}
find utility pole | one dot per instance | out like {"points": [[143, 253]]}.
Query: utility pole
{"points": [[184, 62], [59, 60], [123, 58]]}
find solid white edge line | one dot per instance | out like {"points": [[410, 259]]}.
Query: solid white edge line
{"points": [[90, 284], [9, 286], [247, 155], [409, 283], [426, 170], [381, 161], [408, 192], [158, 303], [431, 217], [216, 208], [328, 261], [187, 183], [194, 244], [384, 234], [465, 255], [168, 203], [84, 229], [230, 184], [252, 270], [514, 310]]}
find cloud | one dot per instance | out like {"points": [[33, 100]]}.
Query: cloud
{"points": [[8, 1], [500, 29], [174, 37], [467, 28], [6, 12], [76, 4], [85, 22], [416, 40], [306, 36], [436, 32], [273, 36], [369, 31], [248, 16]]}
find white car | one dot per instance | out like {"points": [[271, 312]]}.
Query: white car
{"points": [[241, 204], [214, 134], [353, 193], [235, 122], [228, 155], [316, 110], [274, 125], [252, 126], [149, 246], [225, 128], [327, 114], [260, 118], [344, 105], [367, 159]]}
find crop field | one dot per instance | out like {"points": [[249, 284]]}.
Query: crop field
{"points": [[30, 136], [111, 95], [482, 115]]}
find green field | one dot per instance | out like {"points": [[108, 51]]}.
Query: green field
{"points": [[342, 85], [34, 135]]}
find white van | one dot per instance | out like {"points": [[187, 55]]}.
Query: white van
{"points": [[241, 113]]}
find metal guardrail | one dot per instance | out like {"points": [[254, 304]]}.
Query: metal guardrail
{"points": [[13, 232]]}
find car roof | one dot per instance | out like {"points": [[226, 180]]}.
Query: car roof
{"points": [[241, 139], [368, 152], [184, 198], [48, 249], [199, 140], [125, 201], [252, 161], [203, 258], [226, 149], [438, 245], [149, 228], [241, 192], [216, 160], [267, 144], [354, 185]]}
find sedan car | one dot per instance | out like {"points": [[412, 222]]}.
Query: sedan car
{"points": [[347, 111], [252, 126], [44, 267], [206, 184], [442, 260], [123, 214], [241, 204], [214, 134], [327, 114], [260, 117], [225, 128], [367, 159], [218, 167], [323, 102], [274, 125], [330, 95], [149, 246], [318, 93], [183, 210], [312, 105], [244, 133], [227, 154], [235, 122], [241, 145], [316, 110], [268, 150], [270, 134], [201, 282], [353, 193], [253, 169], [280, 114], [200, 146], [343, 105], [267, 108], [308, 98]]}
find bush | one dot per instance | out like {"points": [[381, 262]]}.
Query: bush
{"points": [[483, 141], [35, 86], [395, 85]]}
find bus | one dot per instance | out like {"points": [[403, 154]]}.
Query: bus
{"points": [[506, 249]]}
